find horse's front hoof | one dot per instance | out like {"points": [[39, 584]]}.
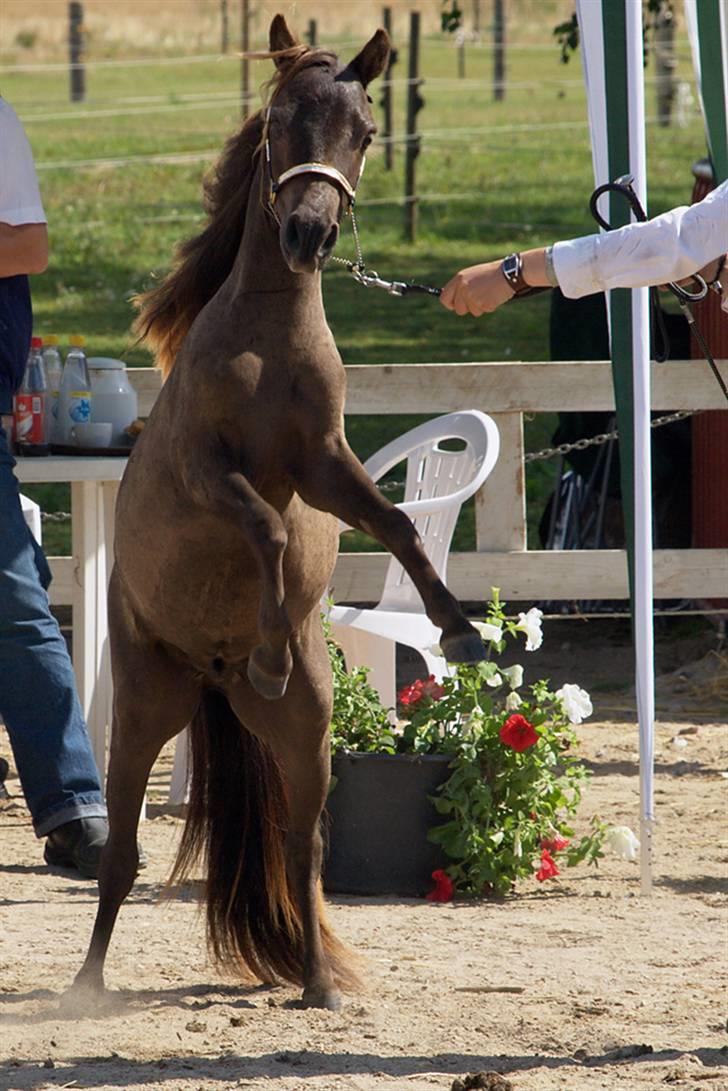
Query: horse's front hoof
{"points": [[318, 997], [85, 996], [268, 683], [463, 648]]}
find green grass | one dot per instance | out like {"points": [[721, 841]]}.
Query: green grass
{"points": [[523, 182]]}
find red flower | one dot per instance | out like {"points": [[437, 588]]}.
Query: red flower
{"points": [[444, 888], [548, 869], [518, 733], [423, 687], [557, 843]]}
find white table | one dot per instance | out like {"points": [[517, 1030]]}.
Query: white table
{"points": [[94, 485]]}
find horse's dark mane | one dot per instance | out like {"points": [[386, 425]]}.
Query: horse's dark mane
{"points": [[204, 261]]}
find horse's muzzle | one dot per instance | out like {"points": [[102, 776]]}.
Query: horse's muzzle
{"points": [[307, 242]]}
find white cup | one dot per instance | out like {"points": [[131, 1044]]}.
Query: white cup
{"points": [[92, 434]]}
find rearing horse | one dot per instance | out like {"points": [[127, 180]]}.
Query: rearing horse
{"points": [[227, 534]]}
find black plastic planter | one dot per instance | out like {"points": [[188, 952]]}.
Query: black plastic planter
{"points": [[379, 814]]}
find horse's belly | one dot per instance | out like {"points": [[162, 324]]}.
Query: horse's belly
{"points": [[195, 582]]}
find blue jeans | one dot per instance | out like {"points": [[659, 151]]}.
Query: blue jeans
{"points": [[38, 700]]}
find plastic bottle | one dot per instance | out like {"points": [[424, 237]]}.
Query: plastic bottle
{"points": [[30, 405], [53, 370], [74, 396]]}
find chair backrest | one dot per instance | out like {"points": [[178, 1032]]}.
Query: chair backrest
{"points": [[438, 482]]}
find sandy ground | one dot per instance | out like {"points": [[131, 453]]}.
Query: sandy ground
{"points": [[580, 983], [553, 988]]}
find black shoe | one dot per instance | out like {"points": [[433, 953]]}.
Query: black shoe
{"points": [[78, 845]]}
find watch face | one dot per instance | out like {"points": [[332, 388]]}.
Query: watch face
{"points": [[510, 266]]}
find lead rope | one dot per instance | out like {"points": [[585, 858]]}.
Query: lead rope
{"points": [[370, 278]]}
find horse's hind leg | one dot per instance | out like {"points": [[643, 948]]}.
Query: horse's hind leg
{"points": [[153, 700], [299, 737], [227, 491]]}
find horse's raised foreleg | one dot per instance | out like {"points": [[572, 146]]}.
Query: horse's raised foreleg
{"points": [[229, 492], [299, 737], [334, 480], [153, 700]]}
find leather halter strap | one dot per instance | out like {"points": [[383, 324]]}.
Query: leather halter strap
{"points": [[323, 169], [315, 168]]}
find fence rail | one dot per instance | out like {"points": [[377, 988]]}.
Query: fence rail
{"points": [[507, 391]]}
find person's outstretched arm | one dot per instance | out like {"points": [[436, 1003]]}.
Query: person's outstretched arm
{"points": [[669, 248]]}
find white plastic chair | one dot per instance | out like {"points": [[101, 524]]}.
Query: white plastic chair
{"points": [[438, 482], [31, 513]]}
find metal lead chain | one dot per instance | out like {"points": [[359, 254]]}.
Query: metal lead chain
{"points": [[370, 278]]}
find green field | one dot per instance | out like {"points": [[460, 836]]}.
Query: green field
{"points": [[494, 176]]}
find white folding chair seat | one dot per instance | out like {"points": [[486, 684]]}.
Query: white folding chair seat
{"points": [[438, 482]]}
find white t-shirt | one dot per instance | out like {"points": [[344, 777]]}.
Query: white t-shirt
{"points": [[668, 248], [20, 201]]}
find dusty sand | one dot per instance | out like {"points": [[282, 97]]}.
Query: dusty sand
{"points": [[554, 988]]}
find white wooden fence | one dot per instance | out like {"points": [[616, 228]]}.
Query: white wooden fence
{"points": [[507, 391]]}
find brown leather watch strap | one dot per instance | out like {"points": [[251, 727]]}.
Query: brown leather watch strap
{"points": [[512, 270]]}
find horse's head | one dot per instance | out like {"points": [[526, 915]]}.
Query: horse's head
{"points": [[319, 126]]}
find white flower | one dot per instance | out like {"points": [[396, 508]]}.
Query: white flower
{"points": [[514, 675], [530, 624], [576, 701], [494, 680], [435, 649], [622, 841], [494, 633], [513, 701]]}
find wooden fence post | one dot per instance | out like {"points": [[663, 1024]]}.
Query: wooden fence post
{"points": [[312, 33], [665, 64], [500, 506], [460, 46], [499, 50], [75, 51], [245, 63], [386, 99], [415, 102], [224, 26]]}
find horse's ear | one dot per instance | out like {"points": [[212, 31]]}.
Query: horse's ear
{"points": [[372, 60], [280, 37]]}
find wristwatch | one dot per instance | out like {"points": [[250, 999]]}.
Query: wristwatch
{"points": [[512, 270]]}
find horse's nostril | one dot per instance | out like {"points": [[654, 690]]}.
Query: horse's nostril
{"points": [[293, 238], [330, 241]]}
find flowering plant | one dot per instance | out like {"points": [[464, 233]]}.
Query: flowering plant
{"points": [[515, 779]]}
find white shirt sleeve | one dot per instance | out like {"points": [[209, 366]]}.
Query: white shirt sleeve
{"points": [[20, 201], [670, 247]]}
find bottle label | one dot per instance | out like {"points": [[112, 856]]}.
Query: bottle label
{"points": [[28, 418], [79, 405]]}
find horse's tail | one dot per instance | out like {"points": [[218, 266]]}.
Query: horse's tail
{"points": [[204, 261], [236, 821]]}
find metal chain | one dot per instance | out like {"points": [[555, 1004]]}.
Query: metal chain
{"points": [[602, 437], [359, 263], [55, 516]]}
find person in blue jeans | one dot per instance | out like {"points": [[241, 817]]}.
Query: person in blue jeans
{"points": [[38, 700]]}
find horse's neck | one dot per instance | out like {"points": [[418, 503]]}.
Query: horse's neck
{"points": [[260, 266]]}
